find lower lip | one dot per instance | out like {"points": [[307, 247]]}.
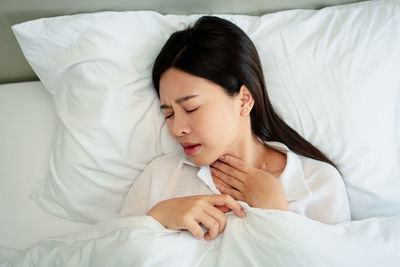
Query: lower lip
{"points": [[191, 150]]}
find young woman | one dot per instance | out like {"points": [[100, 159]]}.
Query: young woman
{"points": [[213, 95]]}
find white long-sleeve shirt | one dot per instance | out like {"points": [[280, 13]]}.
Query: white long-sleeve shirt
{"points": [[312, 188]]}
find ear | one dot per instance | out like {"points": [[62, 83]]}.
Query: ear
{"points": [[246, 100]]}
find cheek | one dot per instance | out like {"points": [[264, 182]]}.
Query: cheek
{"points": [[214, 127], [220, 127], [169, 126]]}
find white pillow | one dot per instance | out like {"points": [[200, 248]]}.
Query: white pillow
{"points": [[331, 73]]}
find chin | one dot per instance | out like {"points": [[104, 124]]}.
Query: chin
{"points": [[203, 157], [202, 162]]}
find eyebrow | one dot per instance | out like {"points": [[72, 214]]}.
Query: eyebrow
{"points": [[179, 100]]}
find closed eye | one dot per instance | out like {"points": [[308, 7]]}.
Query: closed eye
{"points": [[187, 111]]}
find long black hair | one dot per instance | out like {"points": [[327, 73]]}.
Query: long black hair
{"points": [[221, 52]]}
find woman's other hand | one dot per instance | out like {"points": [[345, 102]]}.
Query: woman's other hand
{"points": [[188, 212], [257, 187]]}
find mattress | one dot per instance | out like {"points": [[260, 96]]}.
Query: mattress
{"points": [[27, 124]]}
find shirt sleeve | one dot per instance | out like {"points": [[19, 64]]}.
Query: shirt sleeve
{"points": [[329, 201], [136, 201]]}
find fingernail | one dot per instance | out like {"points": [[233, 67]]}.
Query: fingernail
{"points": [[219, 186], [213, 170], [221, 157]]}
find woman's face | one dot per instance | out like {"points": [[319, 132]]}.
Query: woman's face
{"points": [[210, 118]]}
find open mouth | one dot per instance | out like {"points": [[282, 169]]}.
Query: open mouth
{"points": [[192, 149]]}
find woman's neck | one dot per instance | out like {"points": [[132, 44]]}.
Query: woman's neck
{"points": [[254, 152]]}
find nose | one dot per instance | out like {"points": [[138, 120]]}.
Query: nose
{"points": [[180, 125]]}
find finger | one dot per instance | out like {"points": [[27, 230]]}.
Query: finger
{"points": [[194, 228], [227, 169], [226, 200], [211, 224], [237, 163], [230, 191], [218, 181], [228, 180], [217, 215], [224, 209]]}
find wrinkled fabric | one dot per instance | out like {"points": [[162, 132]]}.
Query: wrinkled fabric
{"points": [[313, 188], [262, 238]]}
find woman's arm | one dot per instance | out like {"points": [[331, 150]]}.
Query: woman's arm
{"points": [[179, 213], [137, 199], [191, 211]]}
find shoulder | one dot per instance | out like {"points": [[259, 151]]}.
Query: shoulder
{"points": [[322, 176], [329, 195], [317, 169]]}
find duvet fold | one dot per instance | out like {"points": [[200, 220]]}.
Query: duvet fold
{"points": [[262, 238]]}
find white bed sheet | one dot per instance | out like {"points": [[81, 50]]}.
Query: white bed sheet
{"points": [[27, 124], [262, 238]]}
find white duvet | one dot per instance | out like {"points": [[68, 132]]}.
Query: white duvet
{"points": [[262, 238]]}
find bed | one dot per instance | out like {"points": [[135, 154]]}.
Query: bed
{"points": [[72, 138]]}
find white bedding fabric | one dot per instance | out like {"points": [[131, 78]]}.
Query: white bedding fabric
{"points": [[27, 124], [262, 238], [332, 74]]}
